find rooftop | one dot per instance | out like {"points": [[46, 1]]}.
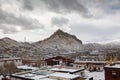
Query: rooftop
{"points": [[113, 66], [71, 70], [47, 79], [64, 75], [6, 59], [96, 75], [90, 62], [29, 76], [25, 67]]}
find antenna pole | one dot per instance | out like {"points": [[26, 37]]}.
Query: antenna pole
{"points": [[24, 39]]}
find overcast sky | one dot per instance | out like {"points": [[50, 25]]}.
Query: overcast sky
{"points": [[89, 20]]}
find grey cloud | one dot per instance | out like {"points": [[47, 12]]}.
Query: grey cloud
{"points": [[59, 21], [57, 6], [6, 29], [66, 6], [95, 31], [27, 4], [23, 22], [111, 6], [82, 7], [108, 6]]}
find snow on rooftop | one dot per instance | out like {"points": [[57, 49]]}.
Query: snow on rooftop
{"points": [[47, 79], [113, 66], [42, 72], [77, 61], [64, 75], [1, 77], [65, 69], [31, 76], [96, 75], [27, 67], [4, 59], [38, 77]]}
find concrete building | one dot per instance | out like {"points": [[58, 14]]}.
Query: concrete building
{"points": [[91, 65], [44, 75], [58, 60], [112, 72], [29, 76], [17, 61], [34, 62]]}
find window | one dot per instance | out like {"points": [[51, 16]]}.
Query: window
{"points": [[114, 74]]}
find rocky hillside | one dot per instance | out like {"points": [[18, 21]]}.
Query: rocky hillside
{"points": [[11, 47], [100, 46], [59, 41], [7, 43], [93, 46]]}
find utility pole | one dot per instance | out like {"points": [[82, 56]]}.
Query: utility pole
{"points": [[24, 39]]}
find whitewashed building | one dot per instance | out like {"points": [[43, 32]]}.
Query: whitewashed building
{"points": [[17, 61]]}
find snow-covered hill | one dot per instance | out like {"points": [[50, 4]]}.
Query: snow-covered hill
{"points": [[111, 44], [60, 40]]}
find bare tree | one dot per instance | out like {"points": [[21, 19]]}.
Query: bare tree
{"points": [[12, 67], [9, 68], [1, 70]]}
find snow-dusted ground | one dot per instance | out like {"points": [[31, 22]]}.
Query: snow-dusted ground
{"points": [[97, 75], [1, 77]]}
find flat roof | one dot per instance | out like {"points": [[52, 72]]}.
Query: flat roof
{"points": [[33, 76], [7, 59], [64, 75], [96, 75], [90, 62], [25, 67], [47, 79], [42, 72], [113, 66], [66, 69], [29, 76]]}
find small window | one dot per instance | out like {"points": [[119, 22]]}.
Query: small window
{"points": [[114, 74], [16, 60]]}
